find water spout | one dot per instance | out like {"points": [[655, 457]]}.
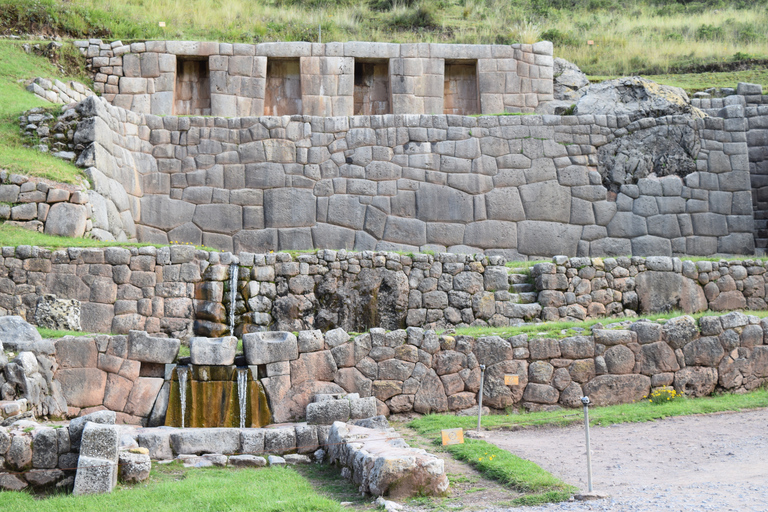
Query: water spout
{"points": [[182, 372], [242, 393], [233, 271]]}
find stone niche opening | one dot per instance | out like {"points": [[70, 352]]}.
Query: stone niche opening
{"points": [[283, 94], [192, 95], [460, 88], [372, 87]]}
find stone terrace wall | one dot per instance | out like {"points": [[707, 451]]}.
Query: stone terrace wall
{"points": [[750, 100], [579, 288], [179, 291], [142, 76], [416, 370], [521, 186]]}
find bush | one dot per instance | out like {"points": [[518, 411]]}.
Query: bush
{"points": [[709, 33], [422, 17], [560, 37]]}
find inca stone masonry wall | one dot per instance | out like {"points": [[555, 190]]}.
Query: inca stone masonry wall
{"points": [[520, 186], [179, 291], [755, 105], [144, 76]]}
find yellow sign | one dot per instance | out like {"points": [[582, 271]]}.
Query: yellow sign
{"points": [[453, 436], [511, 380]]}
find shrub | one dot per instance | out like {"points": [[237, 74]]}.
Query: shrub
{"points": [[560, 37], [421, 17], [709, 33]]}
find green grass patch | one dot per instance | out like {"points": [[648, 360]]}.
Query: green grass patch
{"points": [[14, 236], [172, 488], [55, 334], [431, 425], [502, 466], [565, 329], [15, 67]]}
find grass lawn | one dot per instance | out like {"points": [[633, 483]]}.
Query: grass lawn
{"points": [[172, 488], [694, 82], [15, 67], [609, 415]]}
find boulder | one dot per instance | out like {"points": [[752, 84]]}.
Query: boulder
{"points": [[431, 395], [18, 335], [280, 440], [635, 97], [270, 347], [703, 352], [617, 389], [679, 331], [58, 314], [213, 351], [569, 81], [496, 393], [620, 360]]}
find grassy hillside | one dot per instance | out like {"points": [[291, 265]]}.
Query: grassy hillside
{"points": [[630, 37]]}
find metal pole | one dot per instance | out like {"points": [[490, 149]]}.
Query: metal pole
{"points": [[585, 401], [480, 399]]}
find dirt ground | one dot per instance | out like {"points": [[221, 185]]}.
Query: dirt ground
{"points": [[703, 462]]}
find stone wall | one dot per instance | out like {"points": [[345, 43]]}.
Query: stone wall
{"points": [[141, 76], [50, 209], [749, 99], [521, 186], [579, 288], [179, 291]]}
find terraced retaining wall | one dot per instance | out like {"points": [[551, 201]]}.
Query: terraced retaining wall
{"points": [[179, 290], [750, 98], [519, 186]]}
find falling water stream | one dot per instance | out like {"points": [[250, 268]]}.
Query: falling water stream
{"points": [[233, 271], [182, 372], [242, 391]]}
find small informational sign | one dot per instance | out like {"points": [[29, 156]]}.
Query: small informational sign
{"points": [[161, 24], [453, 436], [511, 380], [590, 42]]}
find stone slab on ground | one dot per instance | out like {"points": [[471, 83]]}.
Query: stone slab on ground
{"points": [[383, 464]]}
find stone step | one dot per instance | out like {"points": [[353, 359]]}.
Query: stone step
{"points": [[518, 278], [521, 288]]}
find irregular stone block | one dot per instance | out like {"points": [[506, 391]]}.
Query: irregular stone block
{"points": [[270, 347]]}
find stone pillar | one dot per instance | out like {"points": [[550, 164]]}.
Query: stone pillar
{"points": [[416, 85], [327, 86]]}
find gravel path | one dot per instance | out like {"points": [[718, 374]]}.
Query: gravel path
{"points": [[687, 463]]}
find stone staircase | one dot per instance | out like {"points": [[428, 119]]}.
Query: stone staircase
{"points": [[522, 291]]}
